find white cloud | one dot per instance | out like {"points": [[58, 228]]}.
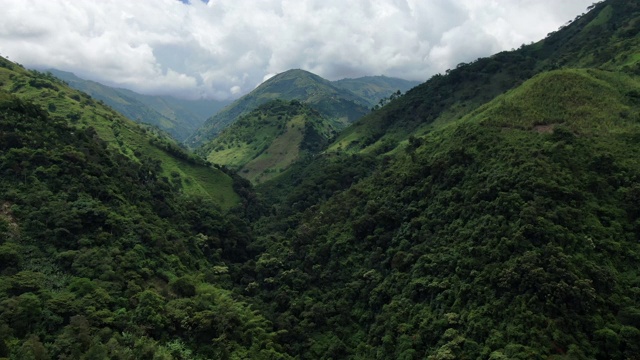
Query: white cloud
{"points": [[226, 47]]}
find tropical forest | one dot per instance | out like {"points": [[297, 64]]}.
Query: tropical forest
{"points": [[490, 212]]}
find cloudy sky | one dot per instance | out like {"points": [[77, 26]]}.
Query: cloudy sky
{"points": [[225, 48]]}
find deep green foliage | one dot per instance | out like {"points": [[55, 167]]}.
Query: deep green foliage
{"points": [[102, 257], [478, 241], [187, 171], [505, 226], [606, 37], [492, 213]]}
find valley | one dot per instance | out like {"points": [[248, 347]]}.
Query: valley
{"points": [[490, 212]]}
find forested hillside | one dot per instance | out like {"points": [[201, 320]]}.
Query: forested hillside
{"points": [[606, 37], [489, 213], [511, 233], [101, 257]]}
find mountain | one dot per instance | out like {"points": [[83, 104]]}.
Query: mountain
{"points": [[103, 257], [511, 233], [266, 141], [337, 104], [488, 213], [375, 88], [184, 170], [178, 117]]}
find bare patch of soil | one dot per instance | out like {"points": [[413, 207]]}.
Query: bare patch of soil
{"points": [[544, 129], [7, 215]]}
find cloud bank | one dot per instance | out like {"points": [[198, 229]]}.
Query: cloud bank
{"points": [[225, 48]]}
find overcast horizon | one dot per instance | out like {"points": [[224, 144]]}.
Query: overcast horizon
{"points": [[223, 49]]}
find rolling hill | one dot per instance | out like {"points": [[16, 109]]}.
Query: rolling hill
{"points": [[99, 250], [178, 117], [606, 37], [488, 213], [510, 233]]}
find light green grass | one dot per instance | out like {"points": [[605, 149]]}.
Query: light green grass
{"points": [[282, 152], [587, 101], [603, 17]]}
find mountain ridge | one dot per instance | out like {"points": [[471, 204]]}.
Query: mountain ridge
{"points": [[92, 239], [337, 103], [482, 216], [489, 213], [178, 117], [603, 37]]}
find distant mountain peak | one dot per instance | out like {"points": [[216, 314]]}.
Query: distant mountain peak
{"points": [[336, 103]]}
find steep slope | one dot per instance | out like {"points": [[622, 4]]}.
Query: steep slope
{"points": [[510, 233], [374, 88], [269, 139], [178, 117], [338, 105], [606, 37], [102, 257], [490, 213], [183, 169]]}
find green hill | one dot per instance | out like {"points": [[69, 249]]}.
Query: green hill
{"points": [[269, 139], [489, 213], [133, 141], [178, 117], [338, 105]]}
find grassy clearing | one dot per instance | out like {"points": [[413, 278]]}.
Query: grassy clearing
{"points": [[282, 152], [263, 143], [603, 17], [586, 101]]}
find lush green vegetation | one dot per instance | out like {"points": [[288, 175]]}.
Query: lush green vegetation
{"points": [[490, 213], [606, 37], [268, 140], [472, 221], [102, 257], [511, 233]]}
